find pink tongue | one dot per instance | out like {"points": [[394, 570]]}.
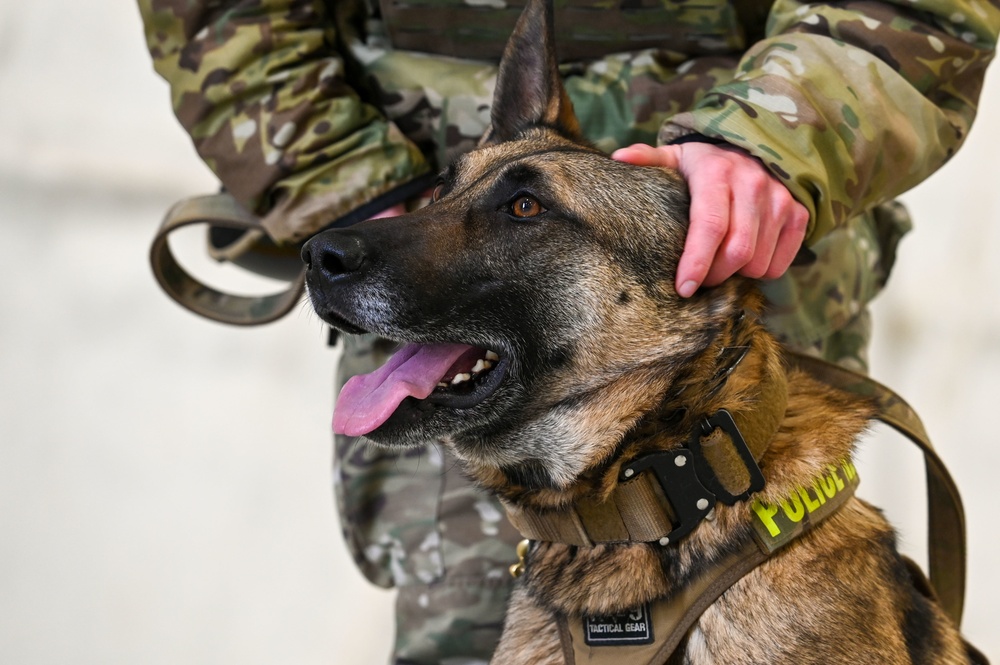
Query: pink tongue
{"points": [[366, 401]]}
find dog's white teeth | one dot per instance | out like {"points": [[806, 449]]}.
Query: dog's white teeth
{"points": [[481, 366]]}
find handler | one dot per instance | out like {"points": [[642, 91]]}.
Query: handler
{"points": [[795, 124]]}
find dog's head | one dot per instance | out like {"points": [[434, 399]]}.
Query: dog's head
{"points": [[534, 296]]}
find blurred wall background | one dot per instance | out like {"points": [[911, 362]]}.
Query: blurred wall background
{"points": [[164, 481]]}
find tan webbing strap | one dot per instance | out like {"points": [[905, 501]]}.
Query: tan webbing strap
{"points": [[671, 619], [637, 511], [217, 210], [757, 426], [701, 593], [644, 509], [535, 525], [945, 515]]}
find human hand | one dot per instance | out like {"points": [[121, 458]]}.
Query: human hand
{"points": [[742, 218]]}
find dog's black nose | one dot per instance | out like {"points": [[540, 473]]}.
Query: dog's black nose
{"points": [[334, 253]]}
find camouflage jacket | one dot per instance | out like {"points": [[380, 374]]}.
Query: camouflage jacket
{"points": [[313, 111]]}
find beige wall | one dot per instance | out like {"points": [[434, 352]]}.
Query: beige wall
{"points": [[164, 481]]}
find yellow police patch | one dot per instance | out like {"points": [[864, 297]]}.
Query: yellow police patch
{"points": [[775, 525]]}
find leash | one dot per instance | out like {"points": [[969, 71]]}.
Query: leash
{"points": [[945, 514], [218, 210]]}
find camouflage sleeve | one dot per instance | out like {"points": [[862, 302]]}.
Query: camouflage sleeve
{"points": [[264, 97], [852, 103]]}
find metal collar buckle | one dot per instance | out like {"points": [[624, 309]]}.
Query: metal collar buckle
{"points": [[675, 471], [684, 473]]}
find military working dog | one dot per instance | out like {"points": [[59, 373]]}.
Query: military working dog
{"points": [[657, 450]]}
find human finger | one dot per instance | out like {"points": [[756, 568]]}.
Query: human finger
{"points": [[708, 226], [641, 154], [748, 248], [789, 241], [740, 245]]}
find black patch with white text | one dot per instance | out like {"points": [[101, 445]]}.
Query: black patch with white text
{"points": [[619, 630]]}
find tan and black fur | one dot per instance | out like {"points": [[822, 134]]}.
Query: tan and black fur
{"points": [[602, 361]]}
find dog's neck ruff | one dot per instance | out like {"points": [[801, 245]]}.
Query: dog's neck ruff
{"points": [[774, 526], [661, 497], [646, 505]]}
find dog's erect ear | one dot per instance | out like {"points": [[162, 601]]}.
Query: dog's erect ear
{"points": [[529, 91]]}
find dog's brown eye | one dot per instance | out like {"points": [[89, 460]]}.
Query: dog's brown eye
{"points": [[526, 206]]}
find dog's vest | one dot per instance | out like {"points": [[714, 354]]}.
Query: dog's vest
{"points": [[647, 512]]}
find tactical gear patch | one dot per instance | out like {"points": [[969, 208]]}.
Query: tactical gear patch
{"points": [[619, 630]]}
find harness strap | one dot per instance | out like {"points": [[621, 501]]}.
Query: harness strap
{"points": [[945, 514], [219, 210], [671, 618]]}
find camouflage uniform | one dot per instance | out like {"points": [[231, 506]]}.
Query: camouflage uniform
{"points": [[312, 112]]}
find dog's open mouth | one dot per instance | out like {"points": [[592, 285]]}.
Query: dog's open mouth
{"points": [[457, 376]]}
